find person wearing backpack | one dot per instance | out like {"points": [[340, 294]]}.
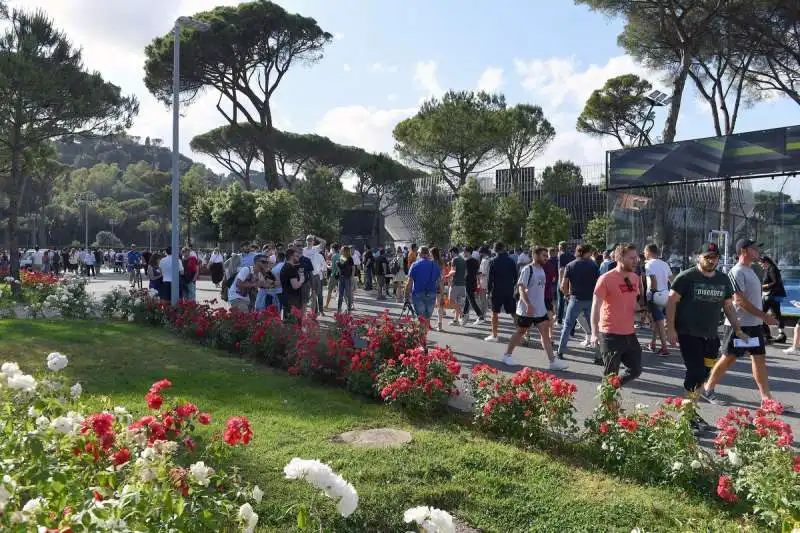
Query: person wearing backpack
{"points": [[248, 279]]}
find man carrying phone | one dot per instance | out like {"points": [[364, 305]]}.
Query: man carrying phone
{"points": [[697, 296], [747, 303]]}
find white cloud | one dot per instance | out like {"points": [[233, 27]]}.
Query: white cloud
{"points": [[561, 86], [425, 79], [346, 67], [367, 127], [491, 80], [560, 82], [383, 69], [113, 36]]}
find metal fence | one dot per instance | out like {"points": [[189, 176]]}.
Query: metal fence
{"points": [[688, 212]]}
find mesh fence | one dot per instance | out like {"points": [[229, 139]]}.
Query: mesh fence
{"points": [[688, 212]]}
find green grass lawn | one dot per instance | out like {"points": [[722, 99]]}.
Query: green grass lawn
{"points": [[493, 487]]}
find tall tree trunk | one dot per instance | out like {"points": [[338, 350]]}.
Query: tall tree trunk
{"points": [[661, 194], [13, 208]]}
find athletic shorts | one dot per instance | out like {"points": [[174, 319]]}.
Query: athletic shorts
{"points": [[655, 311], [693, 347], [528, 321], [750, 331], [504, 302], [458, 294]]}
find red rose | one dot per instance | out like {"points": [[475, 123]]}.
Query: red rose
{"points": [[154, 401], [604, 427], [725, 489], [160, 385], [121, 457], [615, 381], [204, 418], [98, 496], [237, 431]]}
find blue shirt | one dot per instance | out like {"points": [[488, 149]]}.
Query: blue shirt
{"points": [[582, 275], [134, 258], [248, 259], [425, 274]]}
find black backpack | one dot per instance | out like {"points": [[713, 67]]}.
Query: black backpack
{"points": [[308, 268]]}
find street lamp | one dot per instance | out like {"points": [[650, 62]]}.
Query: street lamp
{"points": [[176, 87], [86, 199], [150, 233], [113, 222]]}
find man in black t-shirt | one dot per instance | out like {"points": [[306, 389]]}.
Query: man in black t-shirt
{"points": [[292, 279], [580, 277], [564, 258], [696, 298], [473, 265]]}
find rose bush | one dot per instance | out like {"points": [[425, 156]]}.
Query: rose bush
{"points": [[759, 462], [655, 447], [525, 405], [71, 299], [66, 471], [420, 380]]}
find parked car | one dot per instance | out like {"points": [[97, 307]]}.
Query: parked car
{"points": [[27, 260]]}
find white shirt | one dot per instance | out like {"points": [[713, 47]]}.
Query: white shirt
{"points": [[356, 258], [216, 258], [661, 271], [477, 255], [483, 270], [166, 268], [523, 259], [36, 258], [88, 258], [233, 292], [534, 279]]}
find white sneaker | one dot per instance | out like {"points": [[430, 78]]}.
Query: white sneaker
{"points": [[587, 343], [558, 364], [478, 321], [455, 323], [492, 338], [792, 351], [507, 360]]}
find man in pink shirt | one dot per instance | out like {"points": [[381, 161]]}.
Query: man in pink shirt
{"points": [[616, 300]]}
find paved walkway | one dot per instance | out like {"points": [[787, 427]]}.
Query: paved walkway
{"points": [[661, 377]]}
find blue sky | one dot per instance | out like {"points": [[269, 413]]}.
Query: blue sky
{"points": [[388, 56]]}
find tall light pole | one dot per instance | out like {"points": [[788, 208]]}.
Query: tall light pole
{"points": [[86, 199], [176, 174]]}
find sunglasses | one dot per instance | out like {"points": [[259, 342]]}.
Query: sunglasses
{"points": [[628, 284]]}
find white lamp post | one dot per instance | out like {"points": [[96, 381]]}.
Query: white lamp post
{"points": [[176, 176]]}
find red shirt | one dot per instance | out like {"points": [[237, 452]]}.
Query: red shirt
{"points": [[191, 266], [551, 271], [620, 299]]}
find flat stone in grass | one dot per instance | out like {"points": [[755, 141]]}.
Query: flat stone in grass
{"points": [[461, 527], [375, 438]]}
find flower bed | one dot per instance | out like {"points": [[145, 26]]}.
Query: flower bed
{"points": [[66, 472], [382, 358]]}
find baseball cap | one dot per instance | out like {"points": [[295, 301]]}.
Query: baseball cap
{"points": [[741, 244], [708, 248]]}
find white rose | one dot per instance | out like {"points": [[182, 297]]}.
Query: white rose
{"points": [[734, 458], [56, 361], [248, 517], [42, 422], [76, 391], [32, 506], [5, 496], [677, 466], [696, 464], [10, 369], [63, 425], [120, 410], [147, 474], [685, 402], [23, 382], [200, 473]]}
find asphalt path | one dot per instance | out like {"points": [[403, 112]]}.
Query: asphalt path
{"points": [[661, 376]]}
